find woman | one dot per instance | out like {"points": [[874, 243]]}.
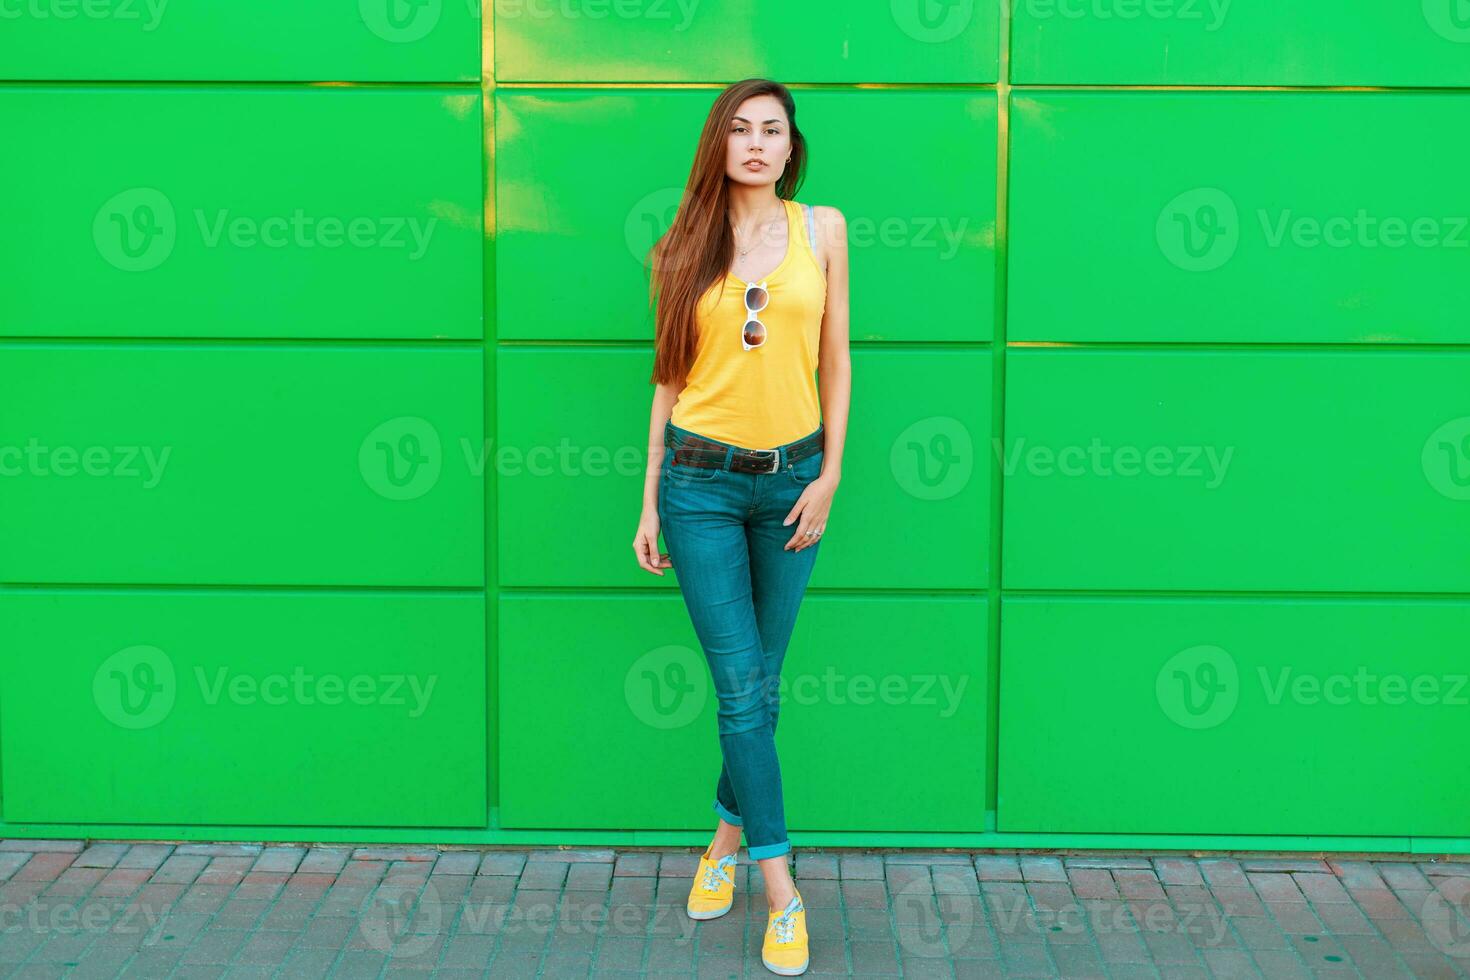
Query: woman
{"points": [[744, 456]]}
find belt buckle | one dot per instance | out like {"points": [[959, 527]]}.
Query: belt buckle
{"points": [[775, 459]]}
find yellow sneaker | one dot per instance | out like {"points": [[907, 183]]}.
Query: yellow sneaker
{"points": [[785, 949], [713, 891]]}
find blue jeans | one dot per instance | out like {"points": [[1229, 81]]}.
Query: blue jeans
{"points": [[742, 588]]}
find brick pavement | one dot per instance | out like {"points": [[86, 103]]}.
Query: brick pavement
{"points": [[102, 909]]}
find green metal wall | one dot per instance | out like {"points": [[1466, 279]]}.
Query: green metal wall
{"points": [[323, 359]]}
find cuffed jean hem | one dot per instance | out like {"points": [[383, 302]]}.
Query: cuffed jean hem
{"points": [[726, 815], [768, 850]]}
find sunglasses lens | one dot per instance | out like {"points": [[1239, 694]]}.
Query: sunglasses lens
{"points": [[755, 333], [756, 298]]}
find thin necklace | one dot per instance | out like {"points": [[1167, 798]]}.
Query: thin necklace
{"points": [[746, 251]]}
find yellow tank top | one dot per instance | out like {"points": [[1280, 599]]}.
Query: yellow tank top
{"points": [[767, 396]]}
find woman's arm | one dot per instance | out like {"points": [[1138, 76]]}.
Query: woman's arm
{"points": [[834, 370], [664, 397], [645, 540], [834, 365]]}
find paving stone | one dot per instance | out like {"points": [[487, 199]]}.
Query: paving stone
{"points": [[1379, 904], [1294, 918], [817, 866], [148, 856], [861, 867], [325, 860], [589, 877], [874, 957], [44, 866], [180, 869], [100, 856], [955, 881], [909, 879], [1283, 963], [1344, 919], [1229, 964], [1258, 932], [1241, 901], [1457, 869], [457, 863], [11, 862], [928, 857], [1034, 868], [279, 859], [1357, 874], [220, 850], [641, 864], [295, 912], [1092, 883], [629, 891], [41, 846], [502, 863], [1431, 965], [1402, 876], [1137, 883], [1177, 871], [539, 875], [574, 855], [1275, 887], [1119, 861], [425, 854], [1321, 887], [683, 865], [1223, 872], [1372, 957], [859, 893], [1285, 864], [997, 867]]}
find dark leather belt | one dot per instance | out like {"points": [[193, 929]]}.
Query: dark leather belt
{"points": [[705, 453]]}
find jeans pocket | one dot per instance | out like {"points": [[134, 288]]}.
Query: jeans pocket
{"points": [[684, 473], [804, 471]]}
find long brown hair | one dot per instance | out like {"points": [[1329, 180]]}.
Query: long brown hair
{"points": [[697, 248]]}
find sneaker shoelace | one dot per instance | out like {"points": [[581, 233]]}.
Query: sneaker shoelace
{"points": [[785, 923], [716, 874]]}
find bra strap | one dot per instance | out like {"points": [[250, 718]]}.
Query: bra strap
{"points": [[811, 234]]}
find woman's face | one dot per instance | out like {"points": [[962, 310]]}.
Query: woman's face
{"points": [[759, 132]]}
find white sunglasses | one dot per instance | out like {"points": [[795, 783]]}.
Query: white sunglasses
{"points": [[757, 297]]}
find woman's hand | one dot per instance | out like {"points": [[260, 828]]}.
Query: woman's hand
{"points": [[810, 512], [645, 544]]}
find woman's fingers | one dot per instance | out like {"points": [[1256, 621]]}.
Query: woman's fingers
{"points": [[809, 521], [646, 550]]}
